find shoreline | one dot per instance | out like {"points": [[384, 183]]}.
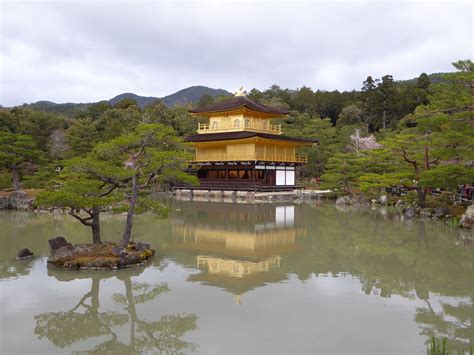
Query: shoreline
{"points": [[23, 200]]}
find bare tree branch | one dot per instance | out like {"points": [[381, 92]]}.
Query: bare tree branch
{"points": [[152, 176], [413, 162], [84, 221], [109, 191]]}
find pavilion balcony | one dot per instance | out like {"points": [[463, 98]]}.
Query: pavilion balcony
{"points": [[246, 125], [221, 157]]}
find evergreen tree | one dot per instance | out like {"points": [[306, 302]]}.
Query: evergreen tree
{"points": [[324, 133], [37, 124], [124, 166], [15, 151], [369, 100], [387, 96], [255, 95], [83, 195], [151, 153], [433, 146], [351, 115], [343, 171], [82, 135], [205, 100], [118, 120], [304, 99]]}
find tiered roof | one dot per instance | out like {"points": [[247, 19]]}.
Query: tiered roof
{"points": [[243, 135], [236, 103]]}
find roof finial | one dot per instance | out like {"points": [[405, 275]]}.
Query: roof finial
{"points": [[241, 92]]}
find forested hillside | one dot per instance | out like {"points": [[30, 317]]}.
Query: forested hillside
{"points": [[186, 96]]}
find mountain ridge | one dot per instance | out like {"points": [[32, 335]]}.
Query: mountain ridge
{"points": [[184, 96]]}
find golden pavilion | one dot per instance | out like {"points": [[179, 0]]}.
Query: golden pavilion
{"points": [[239, 148]]}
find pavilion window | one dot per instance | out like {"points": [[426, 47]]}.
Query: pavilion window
{"points": [[216, 174], [247, 122], [215, 125], [236, 123], [233, 174], [260, 174]]}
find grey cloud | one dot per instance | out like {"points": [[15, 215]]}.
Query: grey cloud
{"points": [[89, 51]]}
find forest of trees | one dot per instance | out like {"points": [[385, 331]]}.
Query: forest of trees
{"points": [[424, 132]]}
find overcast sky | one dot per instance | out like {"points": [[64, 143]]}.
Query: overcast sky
{"points": [[89, 51]]}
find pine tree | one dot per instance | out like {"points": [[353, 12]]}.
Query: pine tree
{"points": [[118, 170], [432, 148], [82, 136], [15, 151]]}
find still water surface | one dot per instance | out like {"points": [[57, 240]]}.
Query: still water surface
{"points": [[243, 279]]}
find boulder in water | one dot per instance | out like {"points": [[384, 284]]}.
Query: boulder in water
{"points": [[383, 199], [425, 212], [467, 220], [24, 253], [58, 242], [409, 212], [343, 200], [440, 212]]}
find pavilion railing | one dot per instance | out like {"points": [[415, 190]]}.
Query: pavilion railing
{"points": [[212, 157], [242, 125]]}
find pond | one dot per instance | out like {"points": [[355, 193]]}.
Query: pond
{"points": [[237, 278]]}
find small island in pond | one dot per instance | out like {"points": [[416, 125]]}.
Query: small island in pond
{"points": [[98, 256]]}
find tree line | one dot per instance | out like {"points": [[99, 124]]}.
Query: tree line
{"points": [[413, 134], [429, 148]]}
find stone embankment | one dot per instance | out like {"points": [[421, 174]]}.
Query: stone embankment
{"points": [[412, 210], [247, 196]]}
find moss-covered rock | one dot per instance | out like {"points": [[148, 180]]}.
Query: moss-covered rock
{"points": [[101, 256]]}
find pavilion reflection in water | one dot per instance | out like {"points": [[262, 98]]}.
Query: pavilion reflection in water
{"points": [[237, 247]]}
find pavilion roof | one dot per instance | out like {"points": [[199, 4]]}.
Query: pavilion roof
{"points": [[238, 102], [208, 137]]}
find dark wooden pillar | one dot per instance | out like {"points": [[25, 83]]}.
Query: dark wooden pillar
{"points": [[253, 171]]}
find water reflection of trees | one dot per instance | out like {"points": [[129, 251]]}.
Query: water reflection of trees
{"points": [[429, 261], [454, 322], [390, 255], [86, 320], [12, 268]]}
